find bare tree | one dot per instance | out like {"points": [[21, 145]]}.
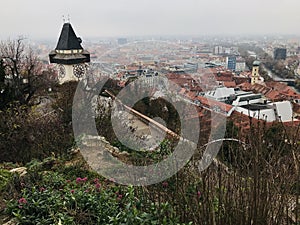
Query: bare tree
{"points": [[22, 72]]}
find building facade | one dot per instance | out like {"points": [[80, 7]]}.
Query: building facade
{"points": [[240, 65], [231, 63], [280, 54]]}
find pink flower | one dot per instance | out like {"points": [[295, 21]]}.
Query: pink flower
{"points": [[97, 186], [42, 189], [78, 180], [81, 180], [198, 194], [72, 191], [119, 198], [165, 184], [22, 201], [96, 180]]}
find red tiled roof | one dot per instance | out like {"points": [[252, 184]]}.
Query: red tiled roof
{"points": [[210, 103], [245, 86], [289, 92], [260, 89], [240, 80], [229, 84], [276, 85], [191, 95], [223, 76], [274, 95]]}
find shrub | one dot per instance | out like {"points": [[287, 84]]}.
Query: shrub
{"points": [[52, 198], [5, 177], [26, 133]]}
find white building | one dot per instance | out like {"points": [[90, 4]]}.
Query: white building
{"points": [[254, 105], [240, 65], [220, 94], [277, 111]]}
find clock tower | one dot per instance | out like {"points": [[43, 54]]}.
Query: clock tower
{"points": [[69, 55], [255, 78]]}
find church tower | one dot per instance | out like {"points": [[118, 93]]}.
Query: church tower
{"points": [[71, 58], [255, 78]]}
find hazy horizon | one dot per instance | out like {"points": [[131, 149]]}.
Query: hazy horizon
{"points": [[118, 18]]}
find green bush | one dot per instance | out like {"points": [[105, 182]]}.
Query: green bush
{"points": [[53, 199], [5, 177]]}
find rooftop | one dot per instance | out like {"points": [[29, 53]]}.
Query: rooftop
{"points": [[256, 63], [69, 50], [68, 39]]}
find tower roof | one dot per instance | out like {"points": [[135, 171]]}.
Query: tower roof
{"points": [[256, 63], [68, 39]]}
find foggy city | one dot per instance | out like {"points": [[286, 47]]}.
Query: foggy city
{"points": [[150, 112]]}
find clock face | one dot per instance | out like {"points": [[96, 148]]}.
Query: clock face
{"points": [[61, 71], [79, 70]]}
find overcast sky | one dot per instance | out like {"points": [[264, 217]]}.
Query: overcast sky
{"points": [[101, 18]]}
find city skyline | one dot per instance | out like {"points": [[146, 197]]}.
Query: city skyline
{"points": [[42, 20]]}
